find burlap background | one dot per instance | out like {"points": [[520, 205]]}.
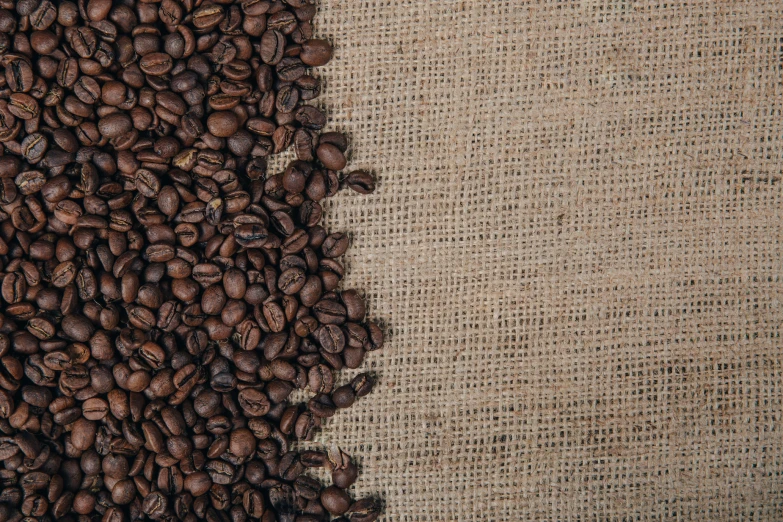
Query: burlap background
{"points": [[576, 245]]}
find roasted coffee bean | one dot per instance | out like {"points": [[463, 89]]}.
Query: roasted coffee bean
{"points": [[316, 52], [156, 64], [223, 123], [335, 500], [362, 384], [329, 312], [272, 46], [320, 379], [115, 125], [14, 287], [344, 396], [364, 510], [164, 293]]}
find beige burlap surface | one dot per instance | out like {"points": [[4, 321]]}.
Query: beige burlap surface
{"points": [[576, 248]]}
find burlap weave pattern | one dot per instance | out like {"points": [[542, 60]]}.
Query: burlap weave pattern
{"points": [[576, 246]]}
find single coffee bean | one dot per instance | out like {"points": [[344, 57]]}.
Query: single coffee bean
{"points": [[320, 379], [335, 500], [331, 157], [34, 146], [344, 397], [316, 52], [115, 125], [222, 123], [156, 64], [362, 384], [272, 47], [364, 510]]}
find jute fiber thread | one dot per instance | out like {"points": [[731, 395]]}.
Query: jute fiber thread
{"points": [[576, 246]]}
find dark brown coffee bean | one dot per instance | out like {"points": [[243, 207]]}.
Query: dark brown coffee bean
{"points": [[320, 379], [290, 69], [331, 338], [291, 281], [234, 283], [362, 384], [115, 125], [208, 17], [322, 406], [364, 510], [34, 147], [23, 106], [98, 9], [14, 288], [335, 500], [354, 305], [309, 87], [19, 73], [335, 245], [156, 64], [272, 47], [375, 337], [213, 300], [329, 312], [222, 124], [344, 397], [123, 492], [87, 90], [155, 504], [77, 327], [331, 157], [261, 126], [361, 182], [83, 434], [311, 118], [251, 236], [41, 327], [82, 40], [253, 402], [316, 52]]}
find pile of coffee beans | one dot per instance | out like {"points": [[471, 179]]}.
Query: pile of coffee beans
{"points": [[162, 294]]}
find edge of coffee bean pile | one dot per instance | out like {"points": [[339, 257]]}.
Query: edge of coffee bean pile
{"points": [[163, 293]]}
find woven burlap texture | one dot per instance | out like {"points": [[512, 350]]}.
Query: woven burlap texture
{"points": [[576, 249]]}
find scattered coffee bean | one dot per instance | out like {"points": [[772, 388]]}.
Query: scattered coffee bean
{"points": [[163, 294]]}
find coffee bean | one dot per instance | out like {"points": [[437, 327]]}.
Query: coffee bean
{"points": [[156, 64], [115, 125], [335, 500], [329, 312], [222, 123], [362, 384], [364, 510], [331, 157], [335, 245], [316, 52], [150, 260], [272, 47], [14, 288], [34, 147], [208, 17], [311, 118], [253, 402], [19, 73], [344, 477], [361, 182], [320, 379], [344, 396], [23, 106]]}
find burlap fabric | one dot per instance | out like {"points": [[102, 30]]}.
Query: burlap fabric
{"points": [[576, 246]]}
